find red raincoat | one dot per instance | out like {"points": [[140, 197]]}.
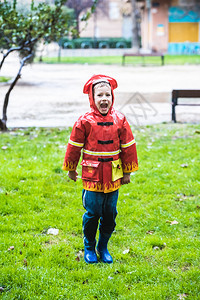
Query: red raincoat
{"points": [[107, 142]]}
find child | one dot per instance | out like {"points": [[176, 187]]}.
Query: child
{"points": [[109, 156]]}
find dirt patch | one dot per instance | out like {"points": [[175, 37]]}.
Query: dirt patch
{"points": [[51, 95]]}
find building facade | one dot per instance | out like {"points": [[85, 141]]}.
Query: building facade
{"points": [[171, 26], [108, 21], [184, 27]]}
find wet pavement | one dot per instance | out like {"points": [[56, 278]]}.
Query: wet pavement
{"points": [[51, 95]]}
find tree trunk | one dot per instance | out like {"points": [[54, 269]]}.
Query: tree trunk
{"points": [[7, 53], [135, 36], [77, 28], [24, 46], [3, 121]]}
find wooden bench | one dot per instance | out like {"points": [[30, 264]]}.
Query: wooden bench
{"points": [[176, 94], [144, 55]]}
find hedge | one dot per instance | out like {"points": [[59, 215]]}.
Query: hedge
{"points": [[99, 43]]}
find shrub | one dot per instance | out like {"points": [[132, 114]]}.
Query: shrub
{"points": [[87, 42]]}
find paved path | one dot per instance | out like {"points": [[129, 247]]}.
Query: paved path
{"points": [[51, 95]]}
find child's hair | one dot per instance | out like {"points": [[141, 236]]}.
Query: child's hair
{"points": [[101, 83]]}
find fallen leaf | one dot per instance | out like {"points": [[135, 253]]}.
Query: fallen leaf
{"points": [[184, 165], [77, 258], [79, 255], [174, 222], [25, 262], [159, 247], [156, 248], [150, 232], [126, 251], [182, 296], [53, 231], [4, 147], [11, 248]]}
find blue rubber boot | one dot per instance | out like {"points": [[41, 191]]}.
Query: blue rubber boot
{"points": [[90, 256], [102, 249]]}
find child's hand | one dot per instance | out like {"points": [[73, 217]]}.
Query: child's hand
{"points": [[73, 175], [126, 179]]}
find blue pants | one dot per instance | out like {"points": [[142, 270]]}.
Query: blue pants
{"points": [[98, 206]]}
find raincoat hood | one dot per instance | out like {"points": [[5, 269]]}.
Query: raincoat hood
{"points": [[97, 79]]}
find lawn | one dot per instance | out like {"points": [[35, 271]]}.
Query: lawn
{"points": [[4, 79], [109, 60], [156, 245]]}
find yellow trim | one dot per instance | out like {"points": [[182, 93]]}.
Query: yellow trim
{"points": [[98, 187], [128, 144], [128, 168], [76, 144], [69, 166], [101, 153], [92, 186]]}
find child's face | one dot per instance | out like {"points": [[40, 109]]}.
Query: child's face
{"points": [[103, 97]]}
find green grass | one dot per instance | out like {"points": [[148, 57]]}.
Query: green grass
{"points": [[108, 60], [36, 194], [4, 79]]}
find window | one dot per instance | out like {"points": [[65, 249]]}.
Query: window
{"points": [[186, 2]]}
